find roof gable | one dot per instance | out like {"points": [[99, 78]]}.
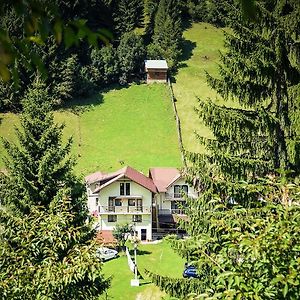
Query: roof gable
{"points": [[164, 177], [129, 173]]}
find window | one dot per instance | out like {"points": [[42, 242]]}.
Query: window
{"points": [[111, 206], [179, 189], [118, 202], [97, 201], [122, 188], [112, 218], [125, 188], [174, 205], [136, 218], [131, 202]]}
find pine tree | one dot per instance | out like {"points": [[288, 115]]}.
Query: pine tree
{"points": [[131, 55], [128, 15], [150, 12], [241, 229], [261, 135], [167, 32], [46, 241], [40, 166]]}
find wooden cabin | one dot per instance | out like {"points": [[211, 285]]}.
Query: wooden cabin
{"points": [[157, 70]]}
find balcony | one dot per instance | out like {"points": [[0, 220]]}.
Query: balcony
{"points": [[177, 196], [172, 211], [124, 210]]}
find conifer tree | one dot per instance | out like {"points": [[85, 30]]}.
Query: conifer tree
{"points": [[46, 239], [261, 135], [128, 15], [40, 166], [167, 32], [150, 12], [242, 227]]}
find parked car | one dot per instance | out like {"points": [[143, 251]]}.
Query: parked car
{"points": [[105, 253], [190, 271]]}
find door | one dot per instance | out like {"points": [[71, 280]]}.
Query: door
{"points": [[143, 234], [139, 205]]}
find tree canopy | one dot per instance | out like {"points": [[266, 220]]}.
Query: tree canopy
{"points": [[47, 242]]}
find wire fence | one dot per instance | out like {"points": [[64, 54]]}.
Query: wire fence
{"points": [[178, 124]]}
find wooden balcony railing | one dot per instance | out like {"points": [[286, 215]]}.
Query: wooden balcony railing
{"points": [[124, 209]]}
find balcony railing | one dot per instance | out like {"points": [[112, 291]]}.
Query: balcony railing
{"points": [[124, 209], [177, 196], [172, 211]]}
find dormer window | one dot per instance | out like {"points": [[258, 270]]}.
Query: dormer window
{"points": [[125, 188]]}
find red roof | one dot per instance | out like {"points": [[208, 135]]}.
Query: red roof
{"points": [[106, 237], [127, 172], [163, 177], [97, 176]]}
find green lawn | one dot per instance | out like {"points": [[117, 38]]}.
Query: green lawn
{"points": [[130, 125], [159, 258], [201, 53]]}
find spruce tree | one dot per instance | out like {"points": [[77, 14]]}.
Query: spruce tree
{"points": [[261, 135], [167, 32], [40, 167], [241, 229], [127, 16], [46, 240]]}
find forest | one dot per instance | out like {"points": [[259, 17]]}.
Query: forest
{"points": [[243, 230], [132, 31]]}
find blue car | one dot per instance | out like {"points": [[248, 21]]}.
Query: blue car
{"points": [[190, 272]]}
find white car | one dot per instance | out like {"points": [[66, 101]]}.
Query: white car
{"points": [[105, 253]]}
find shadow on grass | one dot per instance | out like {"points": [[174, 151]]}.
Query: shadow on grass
{"points": [[82, 104], [188, 48], [140, 252], [145, 283], [79, 105]]}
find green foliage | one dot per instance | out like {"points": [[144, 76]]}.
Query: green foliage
{"points": [[44, 255], [214, 12], [242, 229], [260, 136], [39, 20], [47, 248], [38, 169], [167, 33], [241, 253], [121, 233], [131, 55], [105, 65], [150, 12], [128, 15]]}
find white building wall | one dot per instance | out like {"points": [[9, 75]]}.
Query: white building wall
{"points": [[113, 190], [165, 203], [123, 219]]}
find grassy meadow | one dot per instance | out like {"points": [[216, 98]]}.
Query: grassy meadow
{"points": [[202, 43], [124, 126], [158, 258]]}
